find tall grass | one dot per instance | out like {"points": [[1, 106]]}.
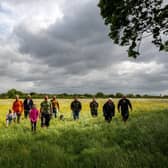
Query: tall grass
{"points": [[89, 142]]}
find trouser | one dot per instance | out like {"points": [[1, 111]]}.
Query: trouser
{"points": [[125, 115], [8, 121], [75, 115], [55, 112], [94, 112], [45, 119], [26, 113], [33, 126], [18, 115], [14, 117], [108, 118]]}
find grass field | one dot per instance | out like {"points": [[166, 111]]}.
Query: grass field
{"points": [[89, 142]]}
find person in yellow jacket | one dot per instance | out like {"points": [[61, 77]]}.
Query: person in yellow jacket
{"points": [[17, 108]]}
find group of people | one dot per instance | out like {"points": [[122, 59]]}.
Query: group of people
{"points": [[49, 108], [124, 105]]}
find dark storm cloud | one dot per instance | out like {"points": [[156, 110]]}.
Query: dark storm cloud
{"points": [[78, 43]]}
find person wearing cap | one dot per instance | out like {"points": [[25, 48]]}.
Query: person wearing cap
{"points": [[45, 112], [76, 108], [109, 110], [17, 108], [54, 106], [28, 103], [94, 107], [123, 106]]}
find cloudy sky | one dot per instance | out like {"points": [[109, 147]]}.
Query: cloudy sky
{"points": [[62, 46]]}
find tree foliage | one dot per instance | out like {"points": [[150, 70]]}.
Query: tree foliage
{"points": [[132, 20], [13, 92]]}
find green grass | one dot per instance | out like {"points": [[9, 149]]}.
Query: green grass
{"points": [[89, 142]]}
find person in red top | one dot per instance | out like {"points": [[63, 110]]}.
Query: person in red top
{"points": [[17, 108]]}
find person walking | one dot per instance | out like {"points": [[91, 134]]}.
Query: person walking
{"points": [[123, 106], [94, 107], [9, 118], [55, 106], [76, 108], [109, 110], [33, 115], [28, 103], [17, 108], [45, 111]]}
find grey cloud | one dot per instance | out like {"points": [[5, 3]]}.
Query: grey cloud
{"points": [[79, 42], [76, 55]]}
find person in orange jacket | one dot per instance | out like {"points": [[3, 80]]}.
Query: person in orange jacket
{"points": [[17, 108]]}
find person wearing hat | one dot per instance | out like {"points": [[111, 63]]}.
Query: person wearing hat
{"points": [[123, 106], [109, 110]]}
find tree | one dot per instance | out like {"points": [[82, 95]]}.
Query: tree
{"points": [[87, 95], [99, 94], [130, 95], [13, 92], [138, 96], [119, 95], [132, 20]]}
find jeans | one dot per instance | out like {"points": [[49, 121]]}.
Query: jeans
{"points": [[33, 126], [26, 113], [75, 115], [8, 121], [108, 118], [18, 115], [45, 119], [55, 112], [94, 112], [125, 115]]}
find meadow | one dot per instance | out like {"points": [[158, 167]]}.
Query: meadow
{"points": [[89, 142]]}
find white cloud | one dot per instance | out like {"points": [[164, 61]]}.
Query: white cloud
{"points": [[35, 15], [132, 68], [8, 83]]}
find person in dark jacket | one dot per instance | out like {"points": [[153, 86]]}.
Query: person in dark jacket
{"points": [[109, 110], [28, 103], [76, 108], [123, 106], [94, 107]]}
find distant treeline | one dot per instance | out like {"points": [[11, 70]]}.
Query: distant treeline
{"points": [[12, 92]]}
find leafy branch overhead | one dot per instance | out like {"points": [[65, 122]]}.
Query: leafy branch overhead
{"points": [[132, 20]]}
